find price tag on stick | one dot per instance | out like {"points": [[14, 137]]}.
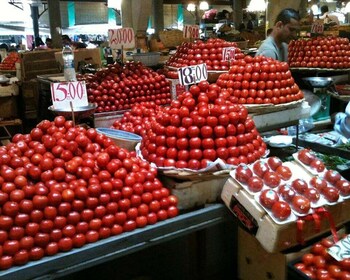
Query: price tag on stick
{"points": [[192, 74], [121, 38], [66, 93]]}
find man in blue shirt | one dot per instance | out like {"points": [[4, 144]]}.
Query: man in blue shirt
{"points": [[284, 30]]}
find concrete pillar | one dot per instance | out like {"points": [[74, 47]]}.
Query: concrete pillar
{"points": [[142, 10], [127, 14], [55, 22], [158, 15], [237, 13]]}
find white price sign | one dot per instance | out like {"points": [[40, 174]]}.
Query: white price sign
{"points": [[317, 27], [341, 249], [64, 93], [192, 74], [228, 54], [191, 31], [122, 37]]}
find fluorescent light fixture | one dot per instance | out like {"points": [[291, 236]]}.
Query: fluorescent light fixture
{"points": [[191, 7], [203, 5], [257, 6], [114, 4]]}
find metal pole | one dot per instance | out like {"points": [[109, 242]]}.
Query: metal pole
{"points": [[35, 17]]}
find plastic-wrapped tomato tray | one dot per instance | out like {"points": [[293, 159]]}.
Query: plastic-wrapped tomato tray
{"points": [[288, 190]]}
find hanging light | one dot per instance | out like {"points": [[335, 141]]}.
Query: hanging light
{"points": [[257, 6], [203, 5], [191, 7], [114, 4]]}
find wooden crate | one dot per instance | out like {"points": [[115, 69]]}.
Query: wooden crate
{"points": [[36, 63], [30, 95]]}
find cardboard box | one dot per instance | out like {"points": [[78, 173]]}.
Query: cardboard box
{"points": [[38, 63], [195, 193], [8, 101], [274, 237], [254, 262], [88, 56]]}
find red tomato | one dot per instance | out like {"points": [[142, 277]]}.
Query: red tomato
{"points": [[344, 187], [332, 176], [318, 183], [286, 192], [281, 210], [260, 168], [272, 179], [317, 165], [331, 194], [268, 197], [306, 156], [301, 204], [255, 184], [274, 162], [284, 172], [312, 194], [299, 185], [243, 173]]}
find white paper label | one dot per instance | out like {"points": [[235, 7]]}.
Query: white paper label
{"points": [[192, 74], [317, 27], [228, 54], [341, 249], [122, 37], [191, 31], [65, 92]]}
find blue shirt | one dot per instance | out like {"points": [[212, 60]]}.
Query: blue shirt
{"points": [[269, 49]]}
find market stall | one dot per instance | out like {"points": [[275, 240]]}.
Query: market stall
{"points": [[91, 201]]}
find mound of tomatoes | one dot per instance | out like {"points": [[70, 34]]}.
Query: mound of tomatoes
{"points": [[320, 52], [199, 127], [259, 80], [119, 87], [9, 62], [138, 119], [64, 186], [208, 52], [318, 264]]}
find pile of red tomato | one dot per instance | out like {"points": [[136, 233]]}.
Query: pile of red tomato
{"points": [[318, 264], [209, 52], [320, 52], [202, 125], [64, 186], [9, 62], [119, 87], [259, 80], [138, 119]]}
